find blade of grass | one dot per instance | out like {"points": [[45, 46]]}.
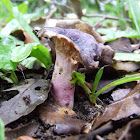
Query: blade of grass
{"points": [[130, 78], [97, 79], [134, 9], [2, 135]]}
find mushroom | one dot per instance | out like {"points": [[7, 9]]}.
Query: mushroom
{"points": [[81, 26], [72, 47]]}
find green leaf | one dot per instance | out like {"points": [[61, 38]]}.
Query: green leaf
{"points": [[8, 4], [20, 53], [10, 27], [130, 78], [19, 16], [23, 23], [113, 35], [41, 53], [23, 7], [29, 62], [2, 133], [134, 9], [112, 9], [5, 78], [97, 79], [6, 47], [78, 78], [127, 57]]}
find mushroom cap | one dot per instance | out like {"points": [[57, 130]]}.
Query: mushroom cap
{"points": [[81, 26], [81, 46]]}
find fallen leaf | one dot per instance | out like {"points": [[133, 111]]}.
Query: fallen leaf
{"points": [[120, 93], [30, 95], [121, 45], [92, 136], [25, 138], [131, 131], [119, 110], [64, 119], [126, 66], [29, 129]]}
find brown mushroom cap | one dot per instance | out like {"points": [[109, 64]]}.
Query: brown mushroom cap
{"points": [[81, 46], [81, 26]]}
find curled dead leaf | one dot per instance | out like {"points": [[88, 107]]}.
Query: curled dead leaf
{"points": [[64, 119], [119, 110], [25, 138]]}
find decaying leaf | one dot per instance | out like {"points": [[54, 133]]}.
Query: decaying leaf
{"points": [[64, 119], [120, 93], [131, 131], [126, 66], [77, 6], [29, 130], [120, 110], [121, 45], [30, 95], [25, 138]]}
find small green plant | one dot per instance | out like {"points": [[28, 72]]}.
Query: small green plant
{"points": [[2, 134], [11, 56], [12, 51], [79, 79]]}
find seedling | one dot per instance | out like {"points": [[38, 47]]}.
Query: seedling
{"points": [[79, 79]]}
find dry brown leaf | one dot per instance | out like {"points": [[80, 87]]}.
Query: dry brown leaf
{"points": [[77, 6], [120, 110], [30, 95], [25, 138], [120, 93], [28, 129], [126, 66], [131, 131], [28, 38], [63, 118], [121, 45]]}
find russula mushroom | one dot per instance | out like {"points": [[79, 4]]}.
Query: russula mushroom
{"points": [[72, 47]]}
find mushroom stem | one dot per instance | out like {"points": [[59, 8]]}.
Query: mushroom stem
{"points": [[62, 88]]}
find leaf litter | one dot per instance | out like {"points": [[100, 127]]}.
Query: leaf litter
{"points": [[113, 113], [30, 95]]}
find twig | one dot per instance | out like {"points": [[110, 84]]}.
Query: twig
{"points": [[51, 12], [90, 15], [60, 4], [98, 24], [107, 17]]}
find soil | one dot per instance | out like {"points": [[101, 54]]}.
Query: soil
{"points": [[84, 110]]}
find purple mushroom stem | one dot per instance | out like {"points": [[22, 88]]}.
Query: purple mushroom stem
{"points": [[63, 89]]}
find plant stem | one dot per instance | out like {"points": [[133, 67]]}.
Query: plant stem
{"points": [[2, 135], [13, 77]]}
